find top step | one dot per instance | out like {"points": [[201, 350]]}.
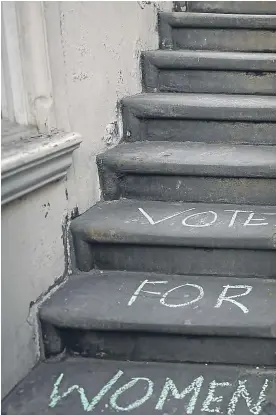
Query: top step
{"points": [[211, 31], [241, 7]]}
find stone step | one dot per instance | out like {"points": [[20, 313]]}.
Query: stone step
{"points": [[209, 72], [253, 7], [212, 31], [215, 118], [190, 172], [217, 239], [153, 317], [77, 386]]}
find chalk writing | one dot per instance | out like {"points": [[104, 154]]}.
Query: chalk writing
{"points": [[208, 218], [197, 394], [222, 297], [138, 402], [199, 294], [194, 300], [201, 224], [243, 392], [55, 397], [169, 386], [211, 398], [152, 222]]}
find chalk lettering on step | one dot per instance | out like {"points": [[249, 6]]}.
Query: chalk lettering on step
{"points": [[211, 398], [152, 222], [170, 387], [199, 297], [242, 392], [88, 407], [138, 402], [139, 289], [200, 225], [251, 219], [222, 297], [235, 214]]}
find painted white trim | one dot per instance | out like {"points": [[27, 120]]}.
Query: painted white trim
{"points": [[35, 61], [31, 160], [26, 69], [12, 65]]}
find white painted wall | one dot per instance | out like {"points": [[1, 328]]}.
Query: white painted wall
{"points": [[94, 50]]}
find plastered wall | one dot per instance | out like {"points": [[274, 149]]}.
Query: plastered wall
{"points": [[94, 50]]}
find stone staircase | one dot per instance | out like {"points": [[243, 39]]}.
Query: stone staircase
{"points": [[172, 307]]}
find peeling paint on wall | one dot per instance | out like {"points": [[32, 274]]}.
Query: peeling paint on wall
{"points": [[111, 136]]}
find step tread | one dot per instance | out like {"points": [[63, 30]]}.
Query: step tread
{"points": [[192, 158], [202, 106], [47, 381], [106, 300], [219, 20], [161, 223], [216, 60]]}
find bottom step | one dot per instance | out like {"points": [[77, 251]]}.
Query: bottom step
{"points": [[77, 386]]}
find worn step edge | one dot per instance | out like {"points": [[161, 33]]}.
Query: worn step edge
{"points": [[198, 106], [108, 387], [191, 159], [256, 7], [190, 59], [161, 223]]}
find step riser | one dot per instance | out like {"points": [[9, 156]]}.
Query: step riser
{"points": [[174, 259], [206, 81], [187, 188], [199, 130], [209, 131], [133, 346], [221, 39], [251, 7]]}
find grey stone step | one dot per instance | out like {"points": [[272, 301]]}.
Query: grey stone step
{"points": [[163, 237], [253, 7], [77, 386], [211, 31], [240, 119], [190, 172], [154, 317], [209, 72]]}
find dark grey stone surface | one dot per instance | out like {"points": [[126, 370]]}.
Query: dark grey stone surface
{"points": [[122, 222], [210, 72], [202, 106], [137, 388], [178, 260], [191, 172], [215, 60], [200, 130], [194, 189], [224, 39], [251, 7], [192, 159], [181, 30], [116, 235], [100, 300], [200, 117], [156, 347]]}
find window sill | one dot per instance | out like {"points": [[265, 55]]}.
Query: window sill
{"points": [[31, 160]]}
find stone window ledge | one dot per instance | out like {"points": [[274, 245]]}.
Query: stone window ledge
{"points": [[31, 160]]}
